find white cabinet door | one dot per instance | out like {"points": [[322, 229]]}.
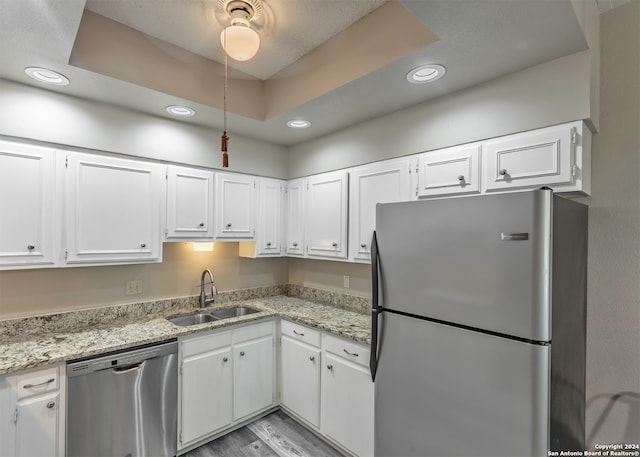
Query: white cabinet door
{"points": [[189, 204], [113, 210], [28, 206], [449, 171], [269, 237], [206, 394], [296, 193], [33, 413], [253, 377], [269, 234], [347, 407], [235, 197], [382, 182], [326, 215], [556, 156], [38, 426], [300, 379]]}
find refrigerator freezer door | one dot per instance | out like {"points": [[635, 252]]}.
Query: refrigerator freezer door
{"points": [[445, 391], [481, 261]]}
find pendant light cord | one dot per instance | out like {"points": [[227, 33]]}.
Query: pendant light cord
{"points": [[225, 138]]}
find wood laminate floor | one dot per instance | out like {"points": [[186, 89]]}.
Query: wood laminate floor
{"points": [[275, 435]]}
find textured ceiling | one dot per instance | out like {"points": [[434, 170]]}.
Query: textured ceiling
{"points": [[476, 40]]}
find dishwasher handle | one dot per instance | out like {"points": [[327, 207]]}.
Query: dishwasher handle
{"points": [[129, 368]]}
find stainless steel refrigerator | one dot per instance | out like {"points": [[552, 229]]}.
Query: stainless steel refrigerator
{"points": [[478, 325]]}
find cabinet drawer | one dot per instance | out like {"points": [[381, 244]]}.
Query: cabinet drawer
{"points": [[252, 331], [350, 350], [37, 382], [300, 333], [197, 345]]}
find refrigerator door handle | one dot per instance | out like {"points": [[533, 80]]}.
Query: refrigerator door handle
{"points": [[376, 309]]}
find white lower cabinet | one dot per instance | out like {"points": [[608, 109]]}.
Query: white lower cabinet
{"points": [[33, 413], [300, 358], [326, 383], [225, 377], [347, 395]]}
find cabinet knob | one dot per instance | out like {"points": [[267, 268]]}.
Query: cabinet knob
{"points": [[312, 358], [31, 247], [51, 404], [228, 225], [334, 244], [363, 245], [461, 178], [268, 243], [241, 353], [295, 245], [143, 245], [503, 172], [225, 359], [201, 224], [329, 367]]}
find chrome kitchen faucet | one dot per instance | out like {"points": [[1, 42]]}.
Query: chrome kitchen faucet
{"points": [[204, 301]]}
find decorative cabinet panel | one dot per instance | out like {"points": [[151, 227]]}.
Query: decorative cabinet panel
{"points": [[269, 227], [295, 216], [326, 215], [347, 392], [33, 405], [112, 210], [235, 206], [189, 204], [300, 362], [28, 206], [558, 157], [382, 182], [449, 171]]}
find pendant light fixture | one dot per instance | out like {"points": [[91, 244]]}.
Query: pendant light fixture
{"points": [[239, 40]]}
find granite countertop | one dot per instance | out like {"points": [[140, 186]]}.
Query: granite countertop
{"points": [[39, 346]]}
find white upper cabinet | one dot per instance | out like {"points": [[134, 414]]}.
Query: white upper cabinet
{"points": [[112, 210], [326, 215], [382, 182], [269, 226], [295, 217], [28, 206], [558, 157], [189, 204], [449, 171], [234, 208]]}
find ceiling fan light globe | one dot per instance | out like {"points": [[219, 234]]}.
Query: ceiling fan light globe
{"points": [[241, 42]]}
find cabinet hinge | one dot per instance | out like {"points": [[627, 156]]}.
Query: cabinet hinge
{"points": [[66, 254], [66, 161], [166, 174], [15, 416], [574, 170], [181, 440], [574, 135], [181, 371]]}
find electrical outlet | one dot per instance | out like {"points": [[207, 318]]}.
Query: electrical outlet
{"points": [[134, 287], [346, 281]]}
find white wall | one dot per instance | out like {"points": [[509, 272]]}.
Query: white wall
{"points": [[29, 112], [613, 314]]}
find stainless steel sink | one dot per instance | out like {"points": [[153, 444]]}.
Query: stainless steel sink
{"points": [[202, 317], [236, 311], [192, 319]]}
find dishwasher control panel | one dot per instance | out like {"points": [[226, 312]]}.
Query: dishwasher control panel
{"points": [[120, 359]]}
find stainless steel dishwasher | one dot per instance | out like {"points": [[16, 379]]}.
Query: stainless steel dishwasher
{"points": [[124, 404]]}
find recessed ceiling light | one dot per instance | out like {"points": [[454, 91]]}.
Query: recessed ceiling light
{"points": [[47, 76], [425, 74], [178, 110], [298, 124]]}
